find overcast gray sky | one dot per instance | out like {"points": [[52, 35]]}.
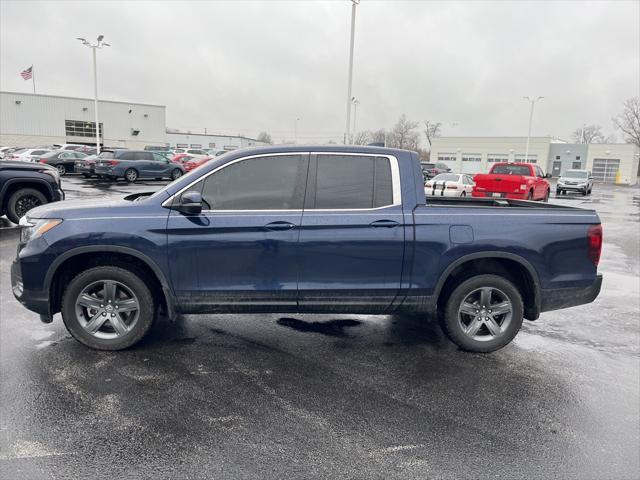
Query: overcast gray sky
{"points": [[247, 66]]}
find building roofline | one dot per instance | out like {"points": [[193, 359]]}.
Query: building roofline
{"points": [[81, 98], [213, 135]]}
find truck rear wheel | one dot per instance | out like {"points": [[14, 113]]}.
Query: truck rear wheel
{"points": [[108, 308], [483, 313]]}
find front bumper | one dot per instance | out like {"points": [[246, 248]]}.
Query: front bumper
{"points": [[34, 300], [569, 297], [573, 188]]}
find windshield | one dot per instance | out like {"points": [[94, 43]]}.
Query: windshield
{"points": [[446, 177], [511, 170], [107, 155], [575, 174]]}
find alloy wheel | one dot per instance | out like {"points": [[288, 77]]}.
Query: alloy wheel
{"points": [[485, 314], [26, 203], [61, 169], [107, 309]]}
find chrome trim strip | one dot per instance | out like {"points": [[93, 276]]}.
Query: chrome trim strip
{"points": [[395, 183]]}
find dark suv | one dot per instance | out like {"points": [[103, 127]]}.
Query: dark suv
{"points": [[430, 170], [135, 164], [24, 186]]}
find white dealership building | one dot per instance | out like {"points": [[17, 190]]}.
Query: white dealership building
{"points": [[609, 162], [30, 120]]}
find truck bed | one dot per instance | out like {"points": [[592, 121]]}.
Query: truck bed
{"points": [[491, 202]]}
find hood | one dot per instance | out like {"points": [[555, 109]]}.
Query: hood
{"points": [[19, 165], [95, 208]]}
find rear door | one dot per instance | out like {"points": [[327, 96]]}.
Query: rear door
{"points": [[352, 236]]}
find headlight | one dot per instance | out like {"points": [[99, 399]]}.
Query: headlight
{"points": [[31, 228], [53, 172]]}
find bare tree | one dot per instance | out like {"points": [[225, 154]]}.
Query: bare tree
{"points": [[404, 135], [424, 154], [588, 134], [362, 138], [629, 121], [264, 137], [431, 130]]}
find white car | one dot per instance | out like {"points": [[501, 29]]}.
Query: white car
{"points": [[27, 154], [449, 185], [194, 152]]}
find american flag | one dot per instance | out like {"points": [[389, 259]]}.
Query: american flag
{"points": [[27, 74]]}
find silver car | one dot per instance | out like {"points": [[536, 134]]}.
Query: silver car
{"points": [[575, 181]]}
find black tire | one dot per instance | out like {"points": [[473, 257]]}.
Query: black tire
{"points": [[131, 175], [23, 200], [530, 196], [176, 173], [558, 193], [134, 281], [463, 194], [546, 196], [61, 169], [450, 319], [584, 192]]}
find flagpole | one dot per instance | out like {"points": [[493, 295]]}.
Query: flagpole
{"points": [[33, 78]]}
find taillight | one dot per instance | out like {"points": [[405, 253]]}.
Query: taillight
{"points": [[429, 184], [452, 187], [113, 163], [41, 160], [594, 239]]}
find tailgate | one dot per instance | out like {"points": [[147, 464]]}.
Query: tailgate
{"points": [[499, 183]]}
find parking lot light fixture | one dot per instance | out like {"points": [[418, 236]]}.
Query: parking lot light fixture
{"points": [[99, 44], [347, 135]]}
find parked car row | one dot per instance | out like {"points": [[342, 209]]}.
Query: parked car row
{"points": [[521, 181]]}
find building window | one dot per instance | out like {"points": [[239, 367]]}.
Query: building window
{"points": [[447, 157], [471, 157], [577, 157], [182, 145], [497, 157], [80, 128], [196, 145], [212, 145], [557, 157], [520, 158]]}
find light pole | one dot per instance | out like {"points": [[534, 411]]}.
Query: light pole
{"points": [[354, 3], [533, 101], [295, 130], [355, 102], [99, 44]]}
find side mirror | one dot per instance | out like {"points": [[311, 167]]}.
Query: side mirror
{"points": [[547, 175], [190, 203]]}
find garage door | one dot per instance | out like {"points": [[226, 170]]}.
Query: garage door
{"points": [[605, 169]]}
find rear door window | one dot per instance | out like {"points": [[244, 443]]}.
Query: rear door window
{"points": [[128, 156], [352, 182]]}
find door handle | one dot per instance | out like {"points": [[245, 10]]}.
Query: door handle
{"points": [[276, 226], [384, 224]]}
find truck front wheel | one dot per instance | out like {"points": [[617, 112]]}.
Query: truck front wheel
{"points": [[108, 308], [483, 313]]}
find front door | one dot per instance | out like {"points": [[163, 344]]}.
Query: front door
{"points": [[352, 236], [240, 253], [555, 171]]}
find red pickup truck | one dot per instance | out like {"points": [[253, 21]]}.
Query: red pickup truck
{"points": [[522, 181]]}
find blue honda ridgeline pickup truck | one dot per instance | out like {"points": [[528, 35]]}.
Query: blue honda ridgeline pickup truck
{"points": [[329, 229]]}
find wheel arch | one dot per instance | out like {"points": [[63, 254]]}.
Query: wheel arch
{"points": [[14, 184], [509, 265], [81, 257]]}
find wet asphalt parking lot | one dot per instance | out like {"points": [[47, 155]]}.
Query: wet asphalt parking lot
{"points": [[310, 396]]}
